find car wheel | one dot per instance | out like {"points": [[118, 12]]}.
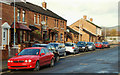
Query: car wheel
{"points": [[52, 63], [57, 58], [64, 53], [37, 66]]}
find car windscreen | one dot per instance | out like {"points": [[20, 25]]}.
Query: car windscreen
{"points": [[39, 46], [29, 52], [69, 44], [81, 43], [98, 43], [105, 42], [54, 45], [89, 43]]}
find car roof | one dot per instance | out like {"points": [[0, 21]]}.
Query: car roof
{"points": [[70, 42], [34, 48]]}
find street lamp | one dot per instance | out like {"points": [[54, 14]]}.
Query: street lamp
{"points": [[14, 23]]}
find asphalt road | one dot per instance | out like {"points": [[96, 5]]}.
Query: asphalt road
{"points": [[99, 61]]}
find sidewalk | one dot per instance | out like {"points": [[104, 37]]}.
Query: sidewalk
{"points": [[4, 65]]}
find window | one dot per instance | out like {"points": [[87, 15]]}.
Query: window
{"points": [[46, 50], [57, 23], [42, 17], [46, 20], [61, 35], [18, 15], [21, 37], [60, 23], [56, 37], [38, 19], [114, 38], [63, 24], [34, 18], [23, 16], [42, 51]]}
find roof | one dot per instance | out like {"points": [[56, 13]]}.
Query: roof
{"points": [[84, 29], [38, 9], [94, 24], [72, 30], [32, 27], [20, 26]]}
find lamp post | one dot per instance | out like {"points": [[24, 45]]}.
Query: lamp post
{"points": [[14, 24]]}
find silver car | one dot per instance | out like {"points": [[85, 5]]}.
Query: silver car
{"points": [[91, 46], [60, 48], [71, 48]]}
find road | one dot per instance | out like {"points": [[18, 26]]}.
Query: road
{"points": [[99, 61]]}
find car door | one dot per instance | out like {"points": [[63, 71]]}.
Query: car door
{"points": [[48, 57], [63, 48], [43, 58]]}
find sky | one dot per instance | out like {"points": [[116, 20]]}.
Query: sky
{"points": [[103, 12]]}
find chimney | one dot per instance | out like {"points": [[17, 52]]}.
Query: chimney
{"points": [[85, 17], [91, 19], [44, 5]]}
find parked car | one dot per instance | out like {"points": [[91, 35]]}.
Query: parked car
{"points": [[106, 44], [99, 45], [31, 58], [50, 48], [91, 46], [60, 48], [71, 48], [82, 46]]}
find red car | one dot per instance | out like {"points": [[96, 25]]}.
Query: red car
{"points": [[99, 45], [106, 44], [31, 58]]}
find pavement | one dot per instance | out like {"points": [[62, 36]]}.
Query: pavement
{"points": [[4, 62]]}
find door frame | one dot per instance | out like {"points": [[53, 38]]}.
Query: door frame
{"points": [[5, 26]]}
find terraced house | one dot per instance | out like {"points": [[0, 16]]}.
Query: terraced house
{"points": [[33, 22], [89, 32]]}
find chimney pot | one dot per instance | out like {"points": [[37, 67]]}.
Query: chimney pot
{"points": [[44, 5], [91, 19], [85, 17]]}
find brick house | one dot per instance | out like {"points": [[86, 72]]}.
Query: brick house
{"points": [[90, 32], [33, 23], [28, 19], [72, 35]]}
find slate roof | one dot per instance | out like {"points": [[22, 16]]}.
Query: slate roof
{"points": [[94, 24], [72, 30], [38, 9]]}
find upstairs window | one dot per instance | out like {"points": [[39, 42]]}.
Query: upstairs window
{"points": [[23, 16], [57, 23], [38, 19], [46, 20], [34, 18], [18, 15], [63, 24]]}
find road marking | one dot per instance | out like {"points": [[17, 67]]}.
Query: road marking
{"points": [[99, 59], [103, 72]]}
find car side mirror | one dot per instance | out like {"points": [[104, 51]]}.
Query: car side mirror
{"points": [[42, 54], [16, 54]]}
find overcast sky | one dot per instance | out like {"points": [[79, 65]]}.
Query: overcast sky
{"points": [[103, 12]]}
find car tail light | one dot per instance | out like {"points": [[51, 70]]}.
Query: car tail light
{"points": [[73, 47]]}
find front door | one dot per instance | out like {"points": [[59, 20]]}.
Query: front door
{"points": [[4, 36]]}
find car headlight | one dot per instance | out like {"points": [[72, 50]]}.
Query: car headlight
{"points": [[29, 60], [25, 60], [10, 61]]}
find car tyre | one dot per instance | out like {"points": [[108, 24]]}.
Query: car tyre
{"points": [[64, 53], [52, 63], [57, 58], [37, 66]]}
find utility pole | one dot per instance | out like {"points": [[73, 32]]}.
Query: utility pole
{"points": [[14, 24]]}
